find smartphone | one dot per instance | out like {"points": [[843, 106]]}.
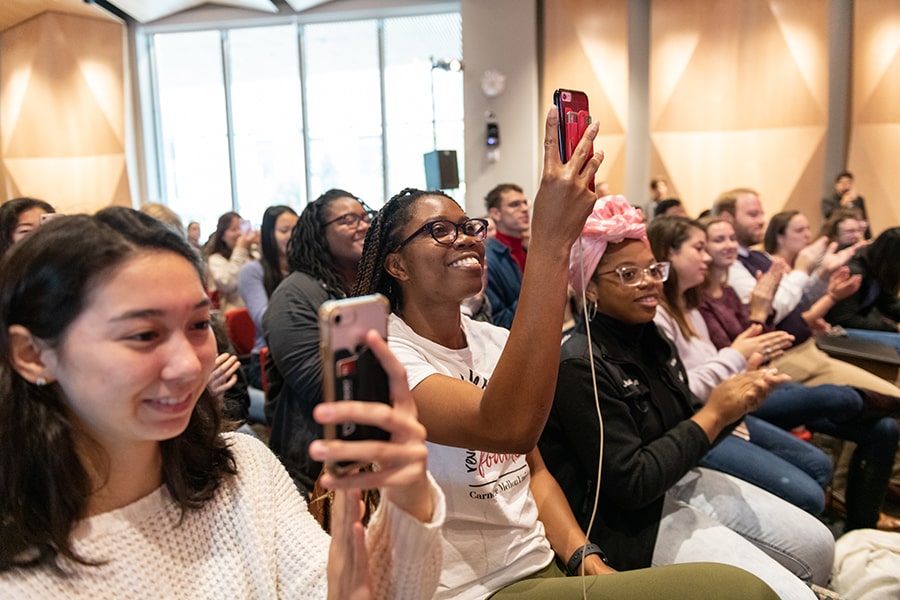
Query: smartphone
{"points": [[47, 217], [350, 371], [246, 226], [574, 118]]}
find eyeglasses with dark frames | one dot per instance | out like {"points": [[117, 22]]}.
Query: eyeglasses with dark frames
{"points": [[633, 276], [446, 232], [353, 219]]}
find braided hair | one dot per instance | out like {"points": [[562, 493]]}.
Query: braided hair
{"points": [[308, 250], [381, 240]]}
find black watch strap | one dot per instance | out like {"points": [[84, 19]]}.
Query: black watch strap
{"points": [[579, 554]]}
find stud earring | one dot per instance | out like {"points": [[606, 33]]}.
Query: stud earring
{"points": [[40, 381]]}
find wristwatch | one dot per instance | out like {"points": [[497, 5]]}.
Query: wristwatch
{"points": [[585, 550]]}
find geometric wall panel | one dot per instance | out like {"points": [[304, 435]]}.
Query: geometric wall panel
{"points": [[738, 97], [875, 118], [743, 158], [62, 112], [586, 48]]}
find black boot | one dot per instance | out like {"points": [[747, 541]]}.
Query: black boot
{"points": [[876, 404], [867, 482]]}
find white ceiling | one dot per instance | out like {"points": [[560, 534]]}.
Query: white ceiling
{"points": [[13, 12]]}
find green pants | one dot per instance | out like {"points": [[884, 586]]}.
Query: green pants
{"points": [[691, 581]]}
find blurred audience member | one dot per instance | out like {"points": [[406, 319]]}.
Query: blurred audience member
{"points": [[18, 218], [259, 278], [227, 250]]}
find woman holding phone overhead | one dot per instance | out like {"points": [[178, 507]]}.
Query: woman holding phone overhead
{"points": [[483, 393], [227, 250], [107, 350]]}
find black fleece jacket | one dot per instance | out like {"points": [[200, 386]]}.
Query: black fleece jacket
{"points": [[649, 440]]}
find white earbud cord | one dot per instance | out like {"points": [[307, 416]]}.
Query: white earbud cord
{"points": [[584, 310]]}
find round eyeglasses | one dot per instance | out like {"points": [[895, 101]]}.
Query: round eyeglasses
{"points": [[446, 232], [634, 276], [353, 219]]}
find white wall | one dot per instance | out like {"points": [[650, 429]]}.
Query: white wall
{"points": [[501, 35]]}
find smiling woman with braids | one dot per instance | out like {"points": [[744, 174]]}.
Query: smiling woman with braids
{"points": [[323, 254], [483, 393]]}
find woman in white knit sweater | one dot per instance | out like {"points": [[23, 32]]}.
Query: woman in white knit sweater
{"points": [[115, 480]]}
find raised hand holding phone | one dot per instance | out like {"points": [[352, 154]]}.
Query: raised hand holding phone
{"points": [[574, 119], [565, 196], [401, 461], [349, 369]]}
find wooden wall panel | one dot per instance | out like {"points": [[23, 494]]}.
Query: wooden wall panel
{"points": [[62, 112], [738, 97], [586, 48], [875, 117]]}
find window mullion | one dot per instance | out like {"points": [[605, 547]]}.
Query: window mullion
{"points": [[229, 117], [304, 113], [384, 126]]}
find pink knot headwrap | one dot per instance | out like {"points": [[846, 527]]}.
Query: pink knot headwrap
{"points": [[612, 221]]}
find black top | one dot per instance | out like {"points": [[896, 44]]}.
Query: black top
{"points": [[294, 371], [649, 440], [870, 307]]}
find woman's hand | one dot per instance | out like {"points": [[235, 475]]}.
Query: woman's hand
{"points": [[764, 291], [564, 200], [734, 398], [842, 284], [247, 240], [768, 345], [223, 376], [594, 566], [833, 259], [401, 463]]}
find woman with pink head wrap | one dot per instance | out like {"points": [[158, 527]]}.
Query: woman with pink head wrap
{"points": [[612, 221], [622, 402]]}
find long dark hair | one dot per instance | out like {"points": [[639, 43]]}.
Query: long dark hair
{"points": [[9, 217], [216, 243], [308, 250], [270, 261], [382, 239], [880, 259], [45, 283], [666, 234], [777, 226]]}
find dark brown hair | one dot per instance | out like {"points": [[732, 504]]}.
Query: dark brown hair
{"points": [[9, 217], [271, 261], [216, 243], [495, 196], [880, 259], [666, 234], [777, 226]]}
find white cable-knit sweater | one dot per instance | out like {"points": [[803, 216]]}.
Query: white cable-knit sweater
{"points": [[254, 539]]}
